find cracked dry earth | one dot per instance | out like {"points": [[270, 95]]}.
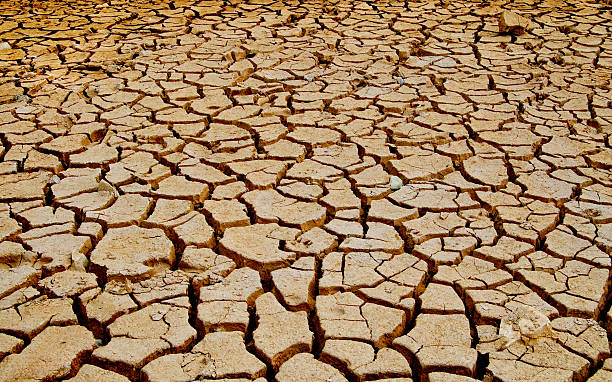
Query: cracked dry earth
{"points": [[201, 190]]}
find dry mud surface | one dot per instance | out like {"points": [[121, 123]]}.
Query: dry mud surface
{"points": [[211, 191]]}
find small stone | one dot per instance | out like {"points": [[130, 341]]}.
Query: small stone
{"points": [[395, 183]]}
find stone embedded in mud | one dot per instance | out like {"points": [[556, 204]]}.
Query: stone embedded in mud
{"points": [[395, 183]]}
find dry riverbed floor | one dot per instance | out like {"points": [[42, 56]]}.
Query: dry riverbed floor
{"points": [[305, 190]]}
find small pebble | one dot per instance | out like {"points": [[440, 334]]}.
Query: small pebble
{"points": [[395, 183]]}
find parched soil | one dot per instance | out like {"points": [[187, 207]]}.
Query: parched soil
{"points": [[305, 190]]}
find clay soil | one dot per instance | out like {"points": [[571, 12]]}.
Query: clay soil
{"points": [[305, 190]]}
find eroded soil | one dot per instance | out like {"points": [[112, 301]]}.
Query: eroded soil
{"points": [[212, 190]]}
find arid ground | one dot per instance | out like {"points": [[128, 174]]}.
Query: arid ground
{"points": [[305, 190]]}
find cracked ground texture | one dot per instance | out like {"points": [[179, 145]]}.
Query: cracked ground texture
{"points": [[201, 190]]}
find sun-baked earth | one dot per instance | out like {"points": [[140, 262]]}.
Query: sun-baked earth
{"points": [[305, 190]]}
